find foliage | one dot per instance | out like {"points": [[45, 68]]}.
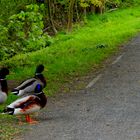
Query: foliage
{"points": [[87, 3], [126, 3], [113, 3], [24, 32], [60, 10], [121, 3], [74, 54], [10, 7], [3, 40]]}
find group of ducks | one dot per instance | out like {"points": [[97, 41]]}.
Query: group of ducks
{"points": [[31, 96]]}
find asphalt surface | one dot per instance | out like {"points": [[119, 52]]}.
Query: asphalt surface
{"points": [[107, 109]]}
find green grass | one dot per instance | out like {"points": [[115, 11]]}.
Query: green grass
{"points": [[8, 129], [75, 54]]}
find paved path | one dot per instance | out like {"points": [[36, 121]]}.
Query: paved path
{"points": [[107, 109]]}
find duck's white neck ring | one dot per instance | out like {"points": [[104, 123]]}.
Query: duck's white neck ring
{"points": [[38, 74], [39, 93]]}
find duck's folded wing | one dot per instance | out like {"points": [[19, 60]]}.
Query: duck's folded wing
{"points": [[26, 83], [22, 101], [31, 105], [25, 87], [25, 105]]}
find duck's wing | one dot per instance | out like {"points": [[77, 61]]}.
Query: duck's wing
{"points": [[25, 87], [25, 105], [26, 83]]}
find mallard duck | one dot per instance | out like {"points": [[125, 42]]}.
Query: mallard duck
{"points": [[29, 85], [27, 105], [3, 85]]}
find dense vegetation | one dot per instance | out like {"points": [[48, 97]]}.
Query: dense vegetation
{"points": [[26, 25], [26, 32], [75, 53]]}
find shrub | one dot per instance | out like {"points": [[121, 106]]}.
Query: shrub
{"points": [[24, 32]]}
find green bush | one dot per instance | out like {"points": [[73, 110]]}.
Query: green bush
{"points": [[24, 32], [121, 3]]}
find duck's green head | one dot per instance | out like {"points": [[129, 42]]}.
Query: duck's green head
{"points": [[4, 72], [39, 69]]}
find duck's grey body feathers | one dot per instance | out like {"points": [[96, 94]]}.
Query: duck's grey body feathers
{"points": [[3, 90], [3, 97], [30, 86], [27, 87]]}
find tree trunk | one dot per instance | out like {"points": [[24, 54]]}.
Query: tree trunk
{"points": [[85, 12], [77, 13], [51, 17], [70, 15], [92, 9]]}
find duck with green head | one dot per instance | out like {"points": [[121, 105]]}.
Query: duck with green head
{"points": [[28, 86]]}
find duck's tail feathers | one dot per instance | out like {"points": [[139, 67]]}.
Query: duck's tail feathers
{"points": [[15, 91], [9, 111]]}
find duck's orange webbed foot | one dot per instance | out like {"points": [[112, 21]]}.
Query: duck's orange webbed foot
{"points": [[30, 120]]}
